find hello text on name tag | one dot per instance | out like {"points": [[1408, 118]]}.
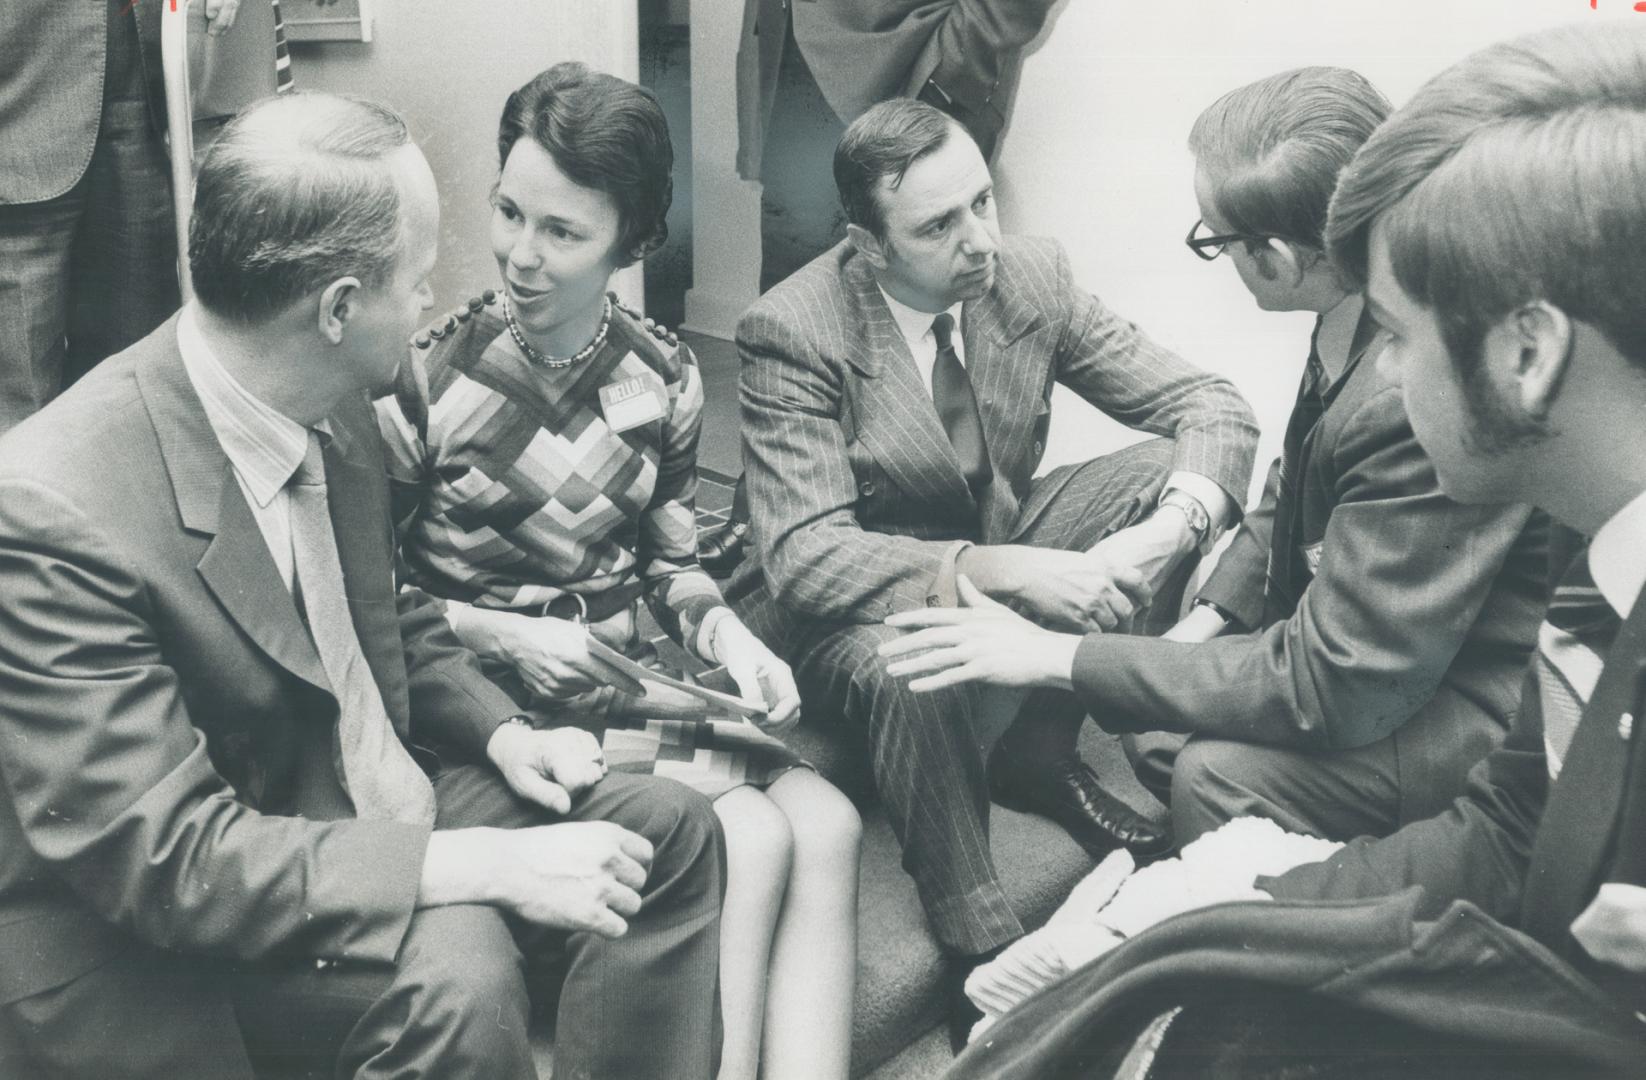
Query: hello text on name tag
{"points": [[632, 402]]}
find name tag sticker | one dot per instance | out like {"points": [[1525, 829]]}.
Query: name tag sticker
{"points": [[1311, 555], [632, 402]]}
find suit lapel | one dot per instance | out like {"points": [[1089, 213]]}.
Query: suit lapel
{"points": [[1579, 826], [236, 566], [1009, 386], [896, 416]]}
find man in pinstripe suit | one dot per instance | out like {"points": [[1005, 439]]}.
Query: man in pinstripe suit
{"points": [[896, 397]]}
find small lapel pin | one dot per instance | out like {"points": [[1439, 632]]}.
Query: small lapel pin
{"points": [[1625, 726]]}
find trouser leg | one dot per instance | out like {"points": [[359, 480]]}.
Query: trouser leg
{"points": [[929, 773], [147, 1015], [123, 278], [1337, 794], [800, 214], [35, 245], [1152, 755]]}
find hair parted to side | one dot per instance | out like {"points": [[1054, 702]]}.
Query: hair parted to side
{"points": [[606, 134], [1274, 148], [294, 194], [885, 142], [1518, 174]]}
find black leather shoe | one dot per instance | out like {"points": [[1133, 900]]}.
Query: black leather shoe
{"points": [[959, 1014], [720, 551], [1068, 792]]}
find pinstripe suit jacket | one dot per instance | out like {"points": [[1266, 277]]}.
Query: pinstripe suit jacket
{"points": [[856, 494]]}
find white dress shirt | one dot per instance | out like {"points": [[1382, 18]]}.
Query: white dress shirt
{"points": [[916, 327], [264, 447], [1614, 556]]}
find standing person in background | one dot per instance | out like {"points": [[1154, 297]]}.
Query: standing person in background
{"points": [[1360, 645], [805, 71], [88, 246]]}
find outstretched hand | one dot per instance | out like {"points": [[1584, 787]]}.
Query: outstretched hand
{"points": [[982, 642]]}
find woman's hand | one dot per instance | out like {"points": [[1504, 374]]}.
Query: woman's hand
{"points": [[553, 659], [761, 676], [983, 642]]}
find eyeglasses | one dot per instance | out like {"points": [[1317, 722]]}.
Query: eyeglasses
{"points": [[1210, 247]]}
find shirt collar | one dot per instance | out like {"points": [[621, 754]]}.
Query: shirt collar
{"points": [[264, 445], [1614, 556], [914, 324]]}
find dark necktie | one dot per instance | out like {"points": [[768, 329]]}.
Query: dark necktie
{"points": [[957, 408], [1590, 748], [1289, 573], [383, 781]]}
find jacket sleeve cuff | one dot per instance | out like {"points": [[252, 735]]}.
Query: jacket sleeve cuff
{"points": [[944, 591]]}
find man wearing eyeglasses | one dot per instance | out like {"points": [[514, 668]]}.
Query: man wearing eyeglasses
{"points": [[1359, 646]]}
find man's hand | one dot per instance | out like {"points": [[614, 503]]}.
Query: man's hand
{"points": [[983, 642], [548, 767], [761, 676], [1151, 547], [1079, 591], [220, 15], [583, 875], [1612, 929]]}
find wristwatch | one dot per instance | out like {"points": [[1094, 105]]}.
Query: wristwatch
{"points": [[1200, 522]]}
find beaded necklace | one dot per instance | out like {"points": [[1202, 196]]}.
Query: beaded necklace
{"points": [[557, 361]]}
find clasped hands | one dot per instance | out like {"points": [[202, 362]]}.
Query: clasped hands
{"points": [[1065, 593]]}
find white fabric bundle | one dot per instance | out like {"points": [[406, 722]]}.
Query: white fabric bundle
{"points": [[1113, 903]]}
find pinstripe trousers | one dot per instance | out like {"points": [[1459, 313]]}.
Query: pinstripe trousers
{"points": [[924, 756]]}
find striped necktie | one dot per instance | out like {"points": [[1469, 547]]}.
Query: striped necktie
{"points": [[1571, 650], [957, 408], [383, 781], [282, 55]]}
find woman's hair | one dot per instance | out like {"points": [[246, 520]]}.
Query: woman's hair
{"points": [[605, 134], [1274, 148]]}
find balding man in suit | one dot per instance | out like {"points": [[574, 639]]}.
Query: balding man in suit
{"points": [[255, 805]]}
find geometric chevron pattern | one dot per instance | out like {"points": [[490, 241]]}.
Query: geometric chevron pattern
{"points": [[527, 494]]}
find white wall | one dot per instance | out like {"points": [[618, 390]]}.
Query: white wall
{"points": [[1095, 156], [448, 68]]}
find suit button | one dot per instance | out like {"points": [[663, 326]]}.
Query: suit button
{"points": [[1039, 448], [933, 601], [866, 487]]}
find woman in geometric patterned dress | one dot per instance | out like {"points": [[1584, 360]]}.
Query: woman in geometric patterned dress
{"points": [[543, 445]]}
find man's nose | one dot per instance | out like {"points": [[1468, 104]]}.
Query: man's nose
{"points": [[978, 240]]}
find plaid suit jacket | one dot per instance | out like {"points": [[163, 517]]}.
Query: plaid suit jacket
{"points": [[856, 495]]}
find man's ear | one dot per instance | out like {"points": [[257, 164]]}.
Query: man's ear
{"points": [[1540, 335], [867, 243], [1284, 261], [339, 303]]}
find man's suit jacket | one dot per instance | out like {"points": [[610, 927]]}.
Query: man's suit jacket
{"points": [[1416, 620], [857, 497], [1458, 924], [163, 713], [862, 52], [51, 95]]}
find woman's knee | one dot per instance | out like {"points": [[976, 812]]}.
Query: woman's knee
{"points": [[759, 838], [827, 827]]}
